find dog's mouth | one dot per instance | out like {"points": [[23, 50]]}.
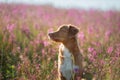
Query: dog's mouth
{"points": [[55, 39], [51, 36]]}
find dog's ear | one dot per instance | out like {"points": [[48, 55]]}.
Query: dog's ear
{"points": [[72, 31]]}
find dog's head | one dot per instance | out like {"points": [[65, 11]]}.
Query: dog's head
{"points": [[64, 33]]}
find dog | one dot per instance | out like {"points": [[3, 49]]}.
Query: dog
{"points": [[69, 58]]}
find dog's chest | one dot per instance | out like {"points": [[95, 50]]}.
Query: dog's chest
{"points": [[66, 67], [67, 62]]}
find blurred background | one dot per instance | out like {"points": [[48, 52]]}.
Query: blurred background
{"points": [[80, 4], [26, 53]]}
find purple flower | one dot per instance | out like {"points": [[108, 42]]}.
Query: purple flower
{"points": [[76, 69]]}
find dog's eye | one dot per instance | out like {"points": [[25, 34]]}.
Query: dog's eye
{"points": [[64, 28]]}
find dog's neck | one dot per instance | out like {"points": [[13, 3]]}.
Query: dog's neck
{"points": [[72, 45]]}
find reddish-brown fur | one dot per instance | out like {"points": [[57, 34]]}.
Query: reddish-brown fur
{"points": [[66, 34]]}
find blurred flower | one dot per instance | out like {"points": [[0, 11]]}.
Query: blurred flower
{"points": [[107, 34], [78, 78], [90, 29], [102, 62], [26, 50], [32, 77], [36, 41], [50, 30], [90, 49], [10, 27], [109, 50], [94, 53], [96, 43], [18, 67], [76, 69], [26, 31], [113, 60], [117, 50], [21, 57], [81, 36], [37, 66], [36, 26], [43, 52], [12, 38], [18, 47], [46, 43], [91, 58], [117, 53]]}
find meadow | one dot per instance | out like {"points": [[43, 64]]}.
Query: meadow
{"points": [[26, 53]]}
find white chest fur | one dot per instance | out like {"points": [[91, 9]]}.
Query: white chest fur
{"points": [[67, 67]]}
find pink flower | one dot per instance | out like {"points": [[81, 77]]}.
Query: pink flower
{"points": [[96, 43], [117, 51], [81, 36], [37, 41], [10, 28], [45, 43], [78, 78], [12, 37], [50, 30], [91, 58], [43, 52], [107, 34], [109, 50], [26, 31], [102, 62], [36, 26], [94, 53], [90, 49], [90, 29]]}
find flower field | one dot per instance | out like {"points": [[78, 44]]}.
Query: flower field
{"points": [[26, 53]]}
